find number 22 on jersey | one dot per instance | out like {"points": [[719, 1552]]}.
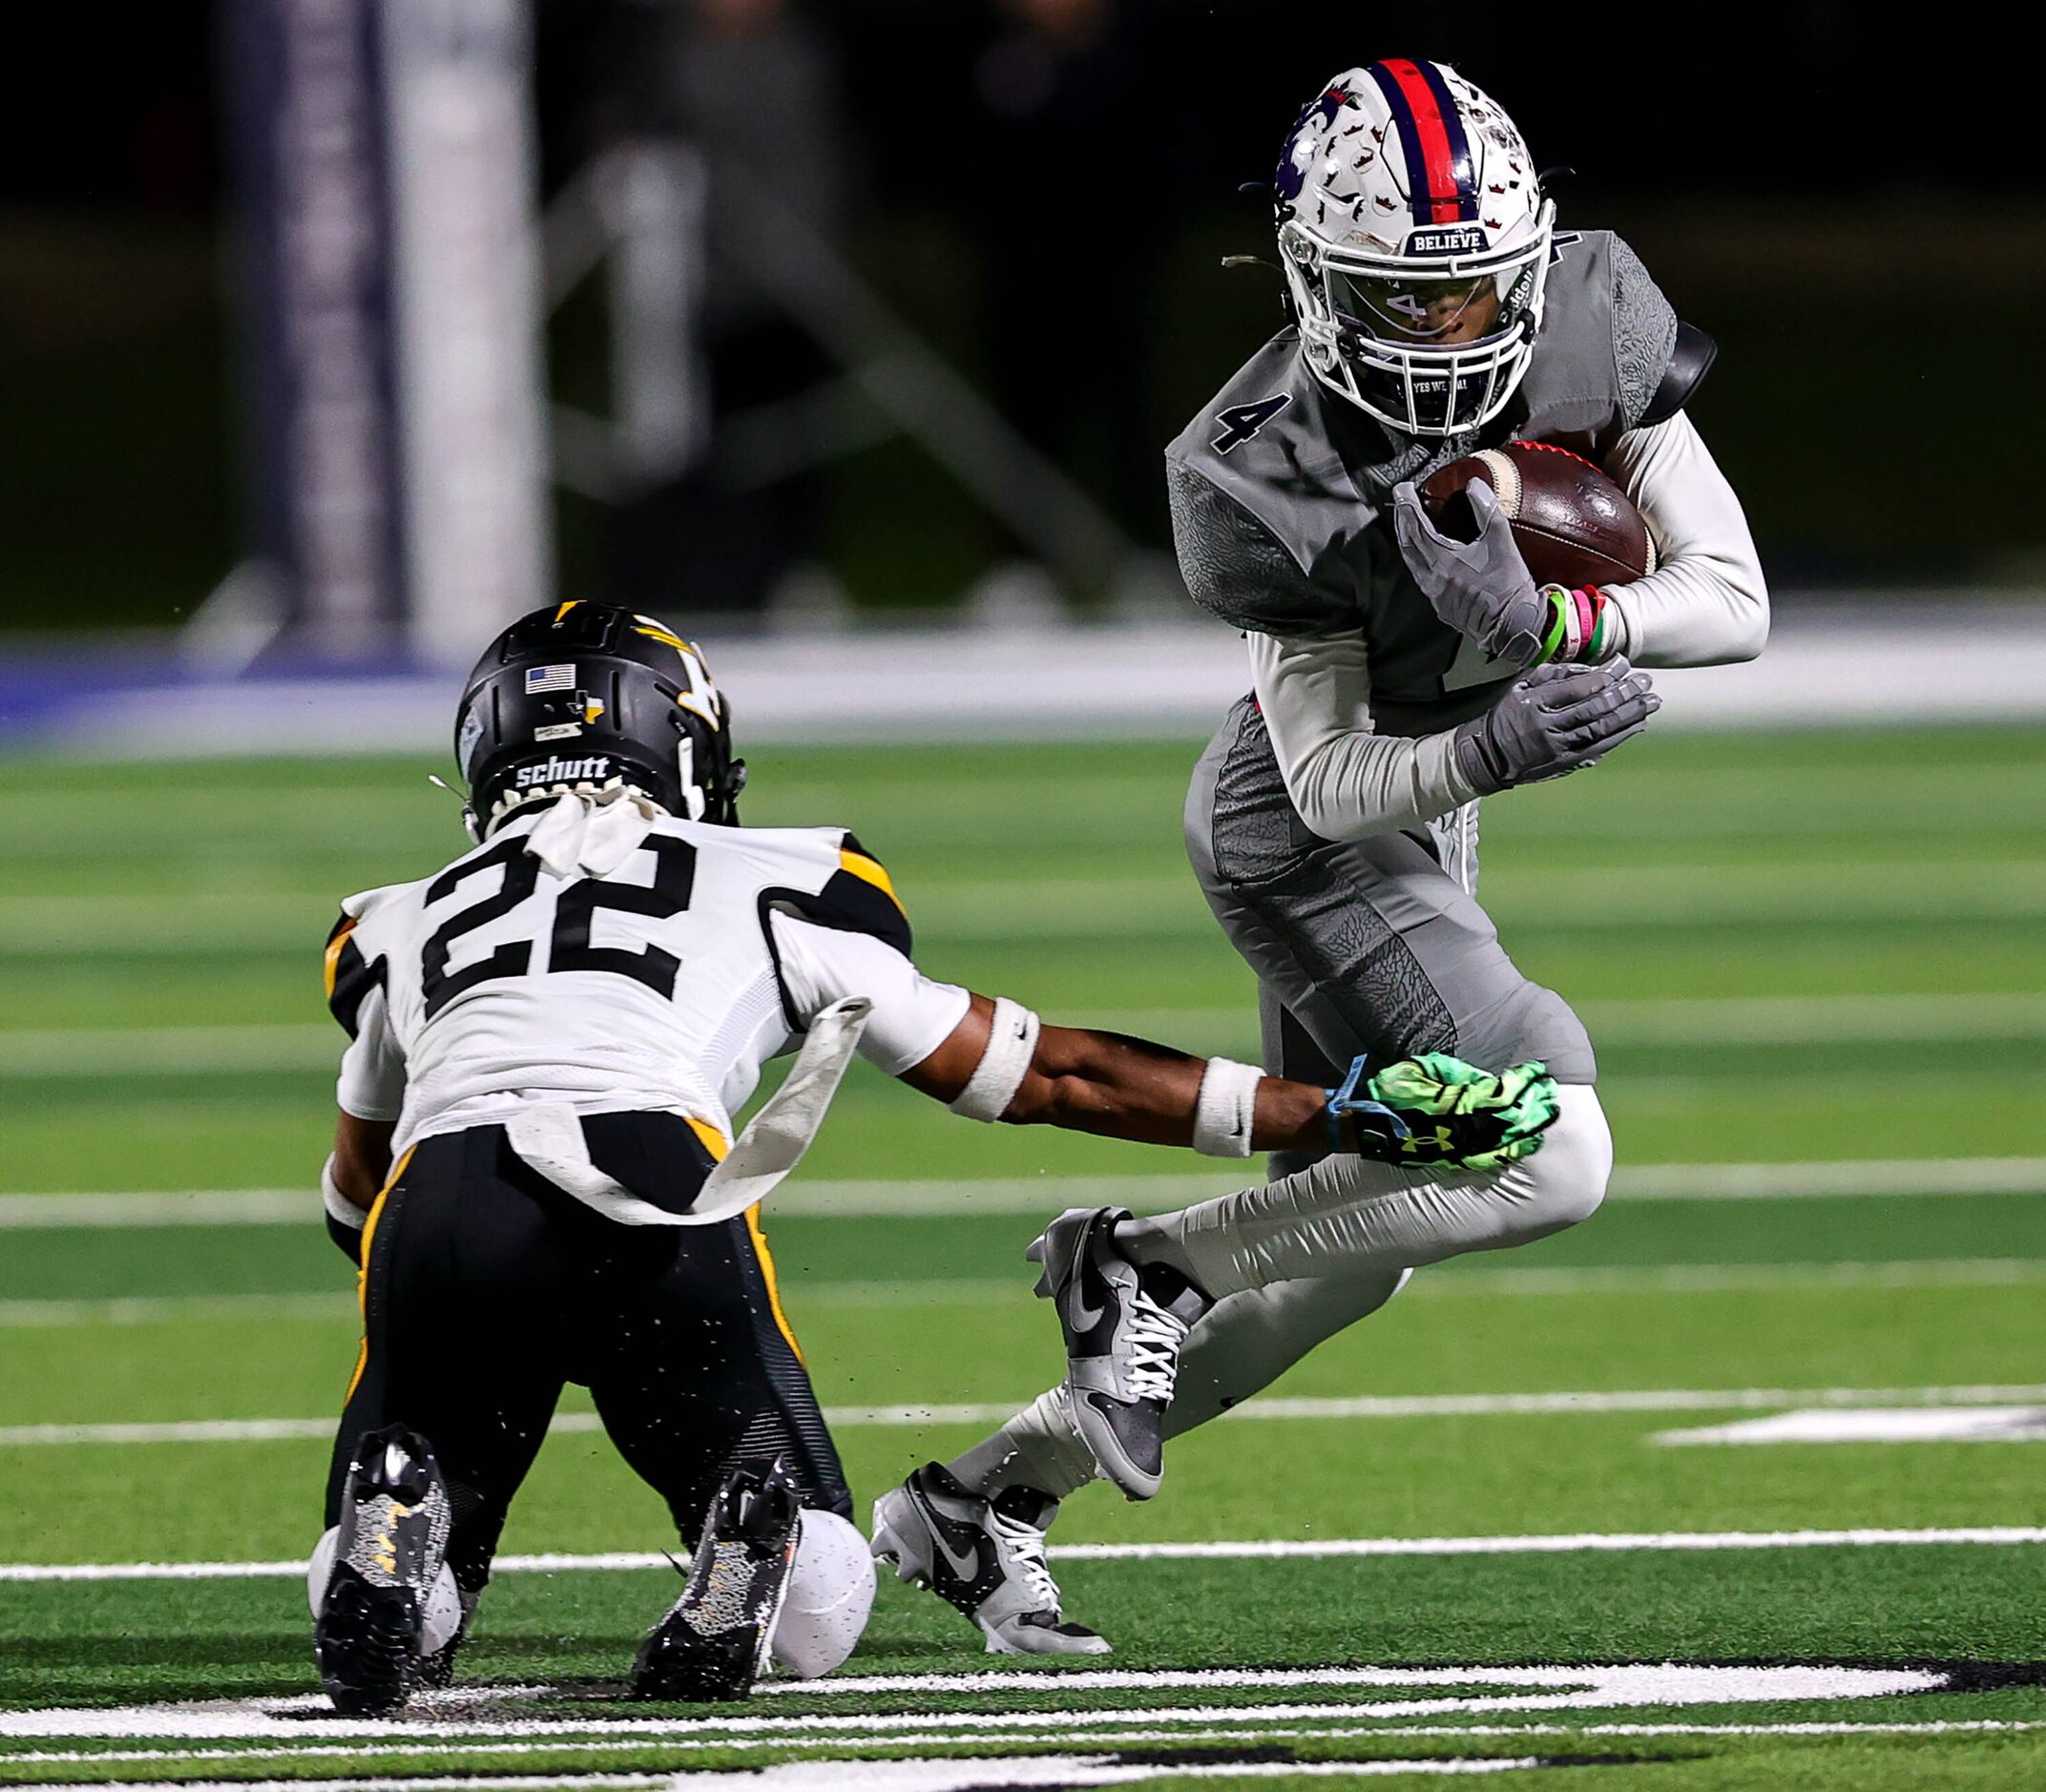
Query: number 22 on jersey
{"points": [[569, 947]]}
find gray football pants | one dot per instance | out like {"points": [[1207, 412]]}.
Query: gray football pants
{"points": [[1375, 946]]}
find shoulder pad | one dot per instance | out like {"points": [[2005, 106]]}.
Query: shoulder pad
{"points": [[858, 897], [349, 975], [358, 907], [1690, 362]]}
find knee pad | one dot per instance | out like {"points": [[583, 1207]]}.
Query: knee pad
{"points": [[830, 1594], [1570, 1172], [440, 1619]]}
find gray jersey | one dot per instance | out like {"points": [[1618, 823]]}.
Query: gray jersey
{"points": [[1281, 491]]}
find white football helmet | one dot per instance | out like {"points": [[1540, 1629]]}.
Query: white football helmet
{"points": [[1415, 240]]}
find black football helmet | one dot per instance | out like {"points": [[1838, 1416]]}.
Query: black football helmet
{"points": [[588, 695]]}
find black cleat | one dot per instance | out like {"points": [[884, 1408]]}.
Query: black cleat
{"points": [[985, 1558], [715, 1641], [392, 1541]]}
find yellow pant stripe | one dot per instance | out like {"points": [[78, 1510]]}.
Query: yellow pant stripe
{"points": [[712, 1140], [362, 1275], [774, 1293]]}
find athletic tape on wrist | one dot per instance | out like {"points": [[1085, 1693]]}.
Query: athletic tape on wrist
{"points": [[1012, 1045], [1226, 1112], [338, 1207]]}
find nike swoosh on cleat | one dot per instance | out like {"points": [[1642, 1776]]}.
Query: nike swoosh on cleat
{"points": [[966, 1567], [1082, 1317]]}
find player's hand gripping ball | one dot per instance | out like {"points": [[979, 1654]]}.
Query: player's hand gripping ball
{"points": [[1572, 525], [1480, 587]]}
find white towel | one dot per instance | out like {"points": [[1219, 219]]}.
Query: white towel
{"points": [[549, 1135], [584, 836]]}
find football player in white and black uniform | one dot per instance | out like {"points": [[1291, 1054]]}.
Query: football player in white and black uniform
{"points": [[535, 1167]]}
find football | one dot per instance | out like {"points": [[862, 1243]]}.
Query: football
{"points": [[1573, 525]]}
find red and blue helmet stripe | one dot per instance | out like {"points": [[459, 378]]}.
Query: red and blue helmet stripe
{"points": [[1443, 187]]}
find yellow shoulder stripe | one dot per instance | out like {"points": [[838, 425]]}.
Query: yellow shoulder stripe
{"points": [[869, 872], [333, 953], [566, 608]]}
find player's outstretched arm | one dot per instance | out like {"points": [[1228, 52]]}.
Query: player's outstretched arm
{"points": [[999, 1063], [1119, 1087], [992, 1059]]}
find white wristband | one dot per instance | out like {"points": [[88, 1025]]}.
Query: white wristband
{"points": [[1226, 1109], [1012, 1045], [338, 1207]]}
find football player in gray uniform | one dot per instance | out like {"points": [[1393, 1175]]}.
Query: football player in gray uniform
{"points": [[537, 1170], [1398, 678]]}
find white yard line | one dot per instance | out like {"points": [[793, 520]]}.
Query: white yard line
{"points": [[1227, 1726], [957, 1774], [1229, 1720], [873, 1198], [1427, 1693], [1982, 1272], [1547, 900], [1454, 1283], [1273, 1550], [1844, 1178], [1284, 1408], [156, 1309], [28, 1053], [1920, 1425]]}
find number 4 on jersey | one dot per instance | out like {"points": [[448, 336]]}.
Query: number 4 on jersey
{"points": [[1241, 421]]}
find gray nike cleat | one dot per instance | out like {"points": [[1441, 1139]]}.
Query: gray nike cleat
{"points": [[985, 1558], [1122, 1341], [369, 1633]]}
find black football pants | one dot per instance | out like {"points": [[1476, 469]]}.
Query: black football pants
{"points": [[485, 1288]]}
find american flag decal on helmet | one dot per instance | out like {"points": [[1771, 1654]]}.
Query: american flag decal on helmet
{"points": [[1442, 188]]}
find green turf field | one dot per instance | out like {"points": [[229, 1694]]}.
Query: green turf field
{"points": [[1816, 969]]}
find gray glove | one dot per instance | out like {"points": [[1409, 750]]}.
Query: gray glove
{"points": [[1482, 588], [1553, 721]]}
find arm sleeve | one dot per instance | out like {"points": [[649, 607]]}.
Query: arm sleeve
{"points": [[1706, 603], [1345, 780], [372, 1069], [913, 1015]]}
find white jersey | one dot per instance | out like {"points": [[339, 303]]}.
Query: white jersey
{"points": [[663, 985]]}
